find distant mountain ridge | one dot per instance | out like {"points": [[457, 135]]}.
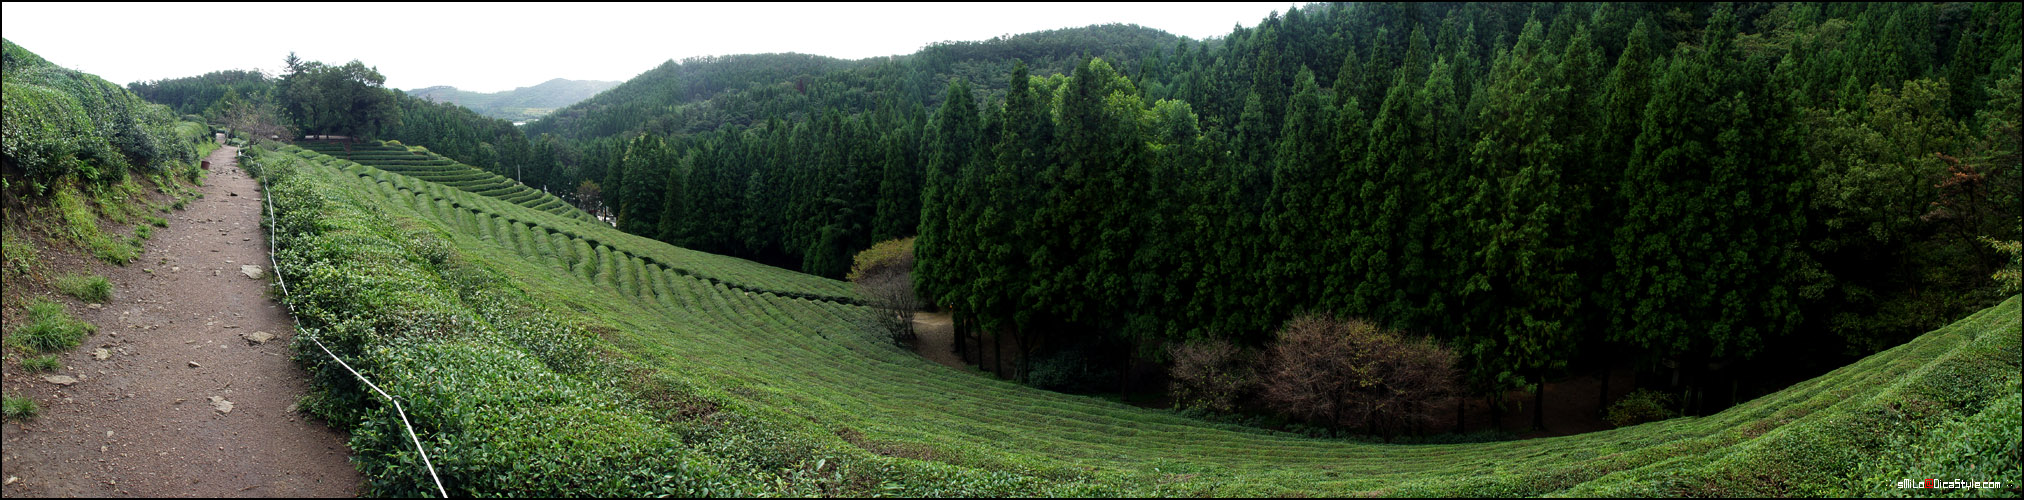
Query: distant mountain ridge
{"points": [[520, 104], [700, 94]]}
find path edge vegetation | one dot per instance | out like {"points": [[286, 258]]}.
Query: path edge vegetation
{"points": [[90, 169]]}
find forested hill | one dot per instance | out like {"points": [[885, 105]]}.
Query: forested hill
{"points": [[520, 104], [701, 94], [1548, 188]]}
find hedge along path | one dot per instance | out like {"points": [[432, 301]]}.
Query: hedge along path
{"points": [[283, 283], [802, 361]]}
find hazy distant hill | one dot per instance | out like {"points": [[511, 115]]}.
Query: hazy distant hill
{"points": [[702, 93], [521, 104]]}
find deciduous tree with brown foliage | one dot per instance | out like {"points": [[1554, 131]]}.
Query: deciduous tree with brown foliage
{"points": [[1351, 372], [1210, 374], [884, 274]]}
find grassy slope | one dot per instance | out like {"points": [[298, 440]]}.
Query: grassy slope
{"points": [[786, 395]]}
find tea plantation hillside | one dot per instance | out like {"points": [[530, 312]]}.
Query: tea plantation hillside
{"points": [[425, 165], [542, 354]]}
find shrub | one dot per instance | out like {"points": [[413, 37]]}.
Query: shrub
{"points": [[2009, 278], [884, 274], [1211, 375], [19, 409], [92, 288], [43, 363], [50, 329], [1640, 406], [1345, 372], [1072, 370]]}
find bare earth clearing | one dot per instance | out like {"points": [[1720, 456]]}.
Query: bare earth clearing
{"points": [[174, 397]]}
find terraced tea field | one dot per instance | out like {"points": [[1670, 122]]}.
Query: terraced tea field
{"points": [[746, 379], [425, 165]]}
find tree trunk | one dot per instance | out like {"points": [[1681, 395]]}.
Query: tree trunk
{"points": [[1124, 379], [1539, 402], [1602, 399], [998, 354], [956, 330], [1496, 410], [1734, 389], [1461, 417]]}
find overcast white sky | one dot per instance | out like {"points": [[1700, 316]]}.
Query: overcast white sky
{"points": [[491, 47]]}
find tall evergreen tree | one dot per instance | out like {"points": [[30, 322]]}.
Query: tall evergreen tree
{"points": [[1304, 169], [953, 140]]}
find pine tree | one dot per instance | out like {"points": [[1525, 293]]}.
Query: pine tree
{"points": [[952, 140], [645, 182], [1703, 254], [1304, 168]]}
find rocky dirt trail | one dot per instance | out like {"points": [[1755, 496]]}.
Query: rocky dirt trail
{"points": [[187, 389]]}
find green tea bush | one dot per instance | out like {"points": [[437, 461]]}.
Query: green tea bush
{"points": [[497, 419], [1640, 406], [48, 134], [62, 123]]}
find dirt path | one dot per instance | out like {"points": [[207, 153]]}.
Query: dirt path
{"points": [[182, 404], [935, 339]]}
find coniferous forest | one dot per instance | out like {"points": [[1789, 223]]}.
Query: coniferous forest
{"points": [[1705, 190], [1545, 188]]}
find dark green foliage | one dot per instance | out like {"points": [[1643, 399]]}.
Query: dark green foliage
{"points": [[203, 94], [1714, 158], [1523, 214], [1304, 171], [1450, 169], [1640, 406], [1074, 370], [648, 179], [952, 143], [348, 100]]}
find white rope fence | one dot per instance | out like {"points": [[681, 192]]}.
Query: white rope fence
{"points": [[271, 247]]}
